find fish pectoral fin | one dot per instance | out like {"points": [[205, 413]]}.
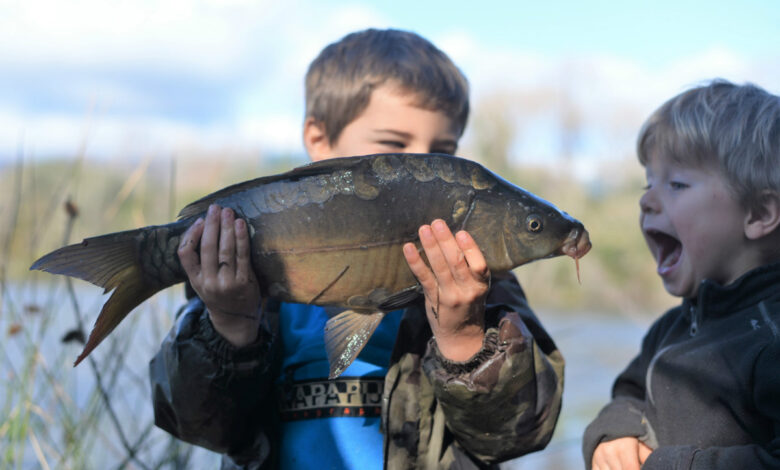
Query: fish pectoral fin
{"points": [[402, 298], [345, 336]]}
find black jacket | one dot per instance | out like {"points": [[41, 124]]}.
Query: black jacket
{"points": [[705, 390]]}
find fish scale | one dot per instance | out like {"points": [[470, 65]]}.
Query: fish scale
{"points": [[331, 233]]}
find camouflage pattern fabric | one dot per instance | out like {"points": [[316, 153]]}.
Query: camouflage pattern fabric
{"points": [[501, 404], [436, 414]]}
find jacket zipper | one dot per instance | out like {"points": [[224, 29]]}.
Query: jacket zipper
{"points": [[694, 321]]}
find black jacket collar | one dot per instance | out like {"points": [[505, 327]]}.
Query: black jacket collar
{"points": [[714, 300]]}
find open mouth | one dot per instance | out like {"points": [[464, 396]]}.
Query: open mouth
{"points": [[577, 244], [666, 249]]}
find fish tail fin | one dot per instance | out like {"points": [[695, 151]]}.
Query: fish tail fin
{"points": [[132, 290], [345, 336], [113, 262]]}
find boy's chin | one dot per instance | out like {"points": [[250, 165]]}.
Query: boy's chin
{"points": [[677, 290]]}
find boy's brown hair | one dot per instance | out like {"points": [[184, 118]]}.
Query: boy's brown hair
{"points": [[340, 80], [736, 127]]}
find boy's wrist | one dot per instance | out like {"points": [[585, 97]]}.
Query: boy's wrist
{"points": [[238, 330], [456, 368], [463, 345]]}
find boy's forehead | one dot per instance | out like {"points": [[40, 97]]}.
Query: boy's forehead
{"points": [[396, 100], [672, 156], [661, 165], [417, 98]]}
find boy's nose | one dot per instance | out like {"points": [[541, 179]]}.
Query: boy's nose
{"points": [[648, 203], [415, 147]]}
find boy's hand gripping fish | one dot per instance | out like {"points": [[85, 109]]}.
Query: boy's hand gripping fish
{"points": [[331, 233]]}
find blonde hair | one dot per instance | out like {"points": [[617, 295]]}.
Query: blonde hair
{"points": [[736, 127], [340, 80]]}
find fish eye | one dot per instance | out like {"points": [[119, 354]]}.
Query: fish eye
{"points": [[533, 223]]}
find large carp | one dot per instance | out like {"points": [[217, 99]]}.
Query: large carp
{"points": [[331, 233]]}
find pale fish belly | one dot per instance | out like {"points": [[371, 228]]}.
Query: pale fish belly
{"points": [[361, 277]]}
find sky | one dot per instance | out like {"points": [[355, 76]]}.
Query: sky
{"points": [[165, 77]]}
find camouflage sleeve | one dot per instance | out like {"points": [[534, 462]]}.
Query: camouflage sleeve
{"points": [[505, 401], [209, 393]]}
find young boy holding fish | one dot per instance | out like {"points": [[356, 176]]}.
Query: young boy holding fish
{"points": [[704, 392], [465, 377]]}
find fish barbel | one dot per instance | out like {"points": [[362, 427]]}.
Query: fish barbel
{"points": [[331, 233]]}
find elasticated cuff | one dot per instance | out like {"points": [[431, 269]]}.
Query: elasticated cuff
{"points": [[488, 350], [243, 358]]}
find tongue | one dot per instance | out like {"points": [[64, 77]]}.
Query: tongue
{"points": [[669, 256]]}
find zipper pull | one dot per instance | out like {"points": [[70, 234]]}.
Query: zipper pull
{"points": [[694, 322]]}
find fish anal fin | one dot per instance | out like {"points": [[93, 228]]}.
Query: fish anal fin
{"points": [[345, 336], [401, 298]]}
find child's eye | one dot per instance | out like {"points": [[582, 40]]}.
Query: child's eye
{"points": [[444, 150], [393, 143], [676, 185]]}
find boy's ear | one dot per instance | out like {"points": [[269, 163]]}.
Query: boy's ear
{"points": [[764, 217], [315, 139]]}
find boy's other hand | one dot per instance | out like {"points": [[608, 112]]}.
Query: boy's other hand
{"points": [[455, 286], [221, 273], [625, 453], [644, 452]]}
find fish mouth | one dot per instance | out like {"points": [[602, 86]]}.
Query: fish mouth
{"points": [[577, 243], [666, 249]]}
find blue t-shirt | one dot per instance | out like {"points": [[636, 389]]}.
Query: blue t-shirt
{"points": [[353, 442]]}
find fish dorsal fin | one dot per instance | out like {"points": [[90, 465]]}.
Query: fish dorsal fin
{"points": [[402, 298], [311, 169], [345, 336]]}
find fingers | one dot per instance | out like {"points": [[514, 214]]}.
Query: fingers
{"points": [[449, 262], [188, 249], [453, 258], [227, 242], [618, 454], [474, 257], [418, 267], [629, 462], [243, 255], [433, 250], [456, 267], [644, 452], [224, 250], [209, 243], [218, 244]]}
